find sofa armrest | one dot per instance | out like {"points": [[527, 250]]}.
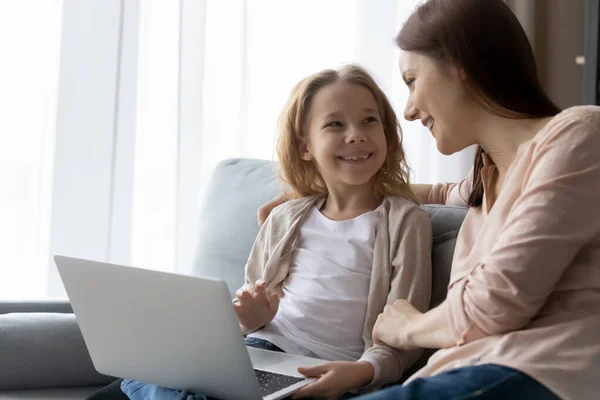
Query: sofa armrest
{"points": [[44, 350], [36, 306]]}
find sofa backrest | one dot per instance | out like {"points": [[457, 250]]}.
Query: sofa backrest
{"points": [[228, 224]]}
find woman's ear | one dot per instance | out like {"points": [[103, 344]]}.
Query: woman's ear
{"points": [[458, 71], [303, 149]]}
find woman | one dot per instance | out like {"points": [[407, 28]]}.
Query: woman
{"points": [[522, 314]]}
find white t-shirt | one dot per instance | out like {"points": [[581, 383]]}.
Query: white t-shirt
{"points": [[322, 310]]}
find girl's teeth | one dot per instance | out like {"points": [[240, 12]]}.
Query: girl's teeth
{"points": [[355, 158]]}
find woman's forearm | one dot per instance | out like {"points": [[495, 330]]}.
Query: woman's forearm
{"points": [[431, 330], [422, 191]]}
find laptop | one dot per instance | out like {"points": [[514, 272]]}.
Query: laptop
{"points": [[174, 331]]}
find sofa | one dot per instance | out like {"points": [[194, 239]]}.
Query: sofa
{"points": [[42, 352]]}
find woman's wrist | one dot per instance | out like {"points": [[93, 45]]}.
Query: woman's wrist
{"points": [[429, 330]]}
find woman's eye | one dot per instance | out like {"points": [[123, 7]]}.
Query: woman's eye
{"points": [[368, 120], [410, 81]]}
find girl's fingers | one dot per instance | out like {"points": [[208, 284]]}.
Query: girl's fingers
{"points": [[314, 372], [261, 290], [243, 294]]}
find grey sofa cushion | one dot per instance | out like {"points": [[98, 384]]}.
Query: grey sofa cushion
{"points": [[228, 224], [41, 350], [47, 306], [445, 224]]}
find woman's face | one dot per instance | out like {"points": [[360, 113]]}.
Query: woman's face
{"points": [[438, 97]]}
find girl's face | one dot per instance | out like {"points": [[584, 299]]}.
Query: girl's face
{"points": [[345, 137], [438, 97]]}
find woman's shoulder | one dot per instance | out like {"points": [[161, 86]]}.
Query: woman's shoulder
{"points": [[589, 114], [579, 125], [586, 116]]}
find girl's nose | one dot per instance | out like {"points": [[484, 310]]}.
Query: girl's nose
{"points": [[357, 135]]}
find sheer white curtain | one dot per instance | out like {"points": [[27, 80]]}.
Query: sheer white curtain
{"points": [[154, 235], [238, 62], [30, 47], [152, 95]]}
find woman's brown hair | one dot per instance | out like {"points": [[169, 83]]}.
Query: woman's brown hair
{"points": [[486, 40], [392, 179]]}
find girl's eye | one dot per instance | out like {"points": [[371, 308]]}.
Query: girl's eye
{"points": [[368, 120], [410, 81], [334, 124]]}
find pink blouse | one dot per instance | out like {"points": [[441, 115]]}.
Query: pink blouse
{"points": [[525, 285]]}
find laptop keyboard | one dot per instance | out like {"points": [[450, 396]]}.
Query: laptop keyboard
{"points": [[271, 382]]}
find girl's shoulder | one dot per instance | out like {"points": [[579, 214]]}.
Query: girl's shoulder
{"points": [[284, 217], [407, 219], [401, 208], [291, 208], [402, 203]]}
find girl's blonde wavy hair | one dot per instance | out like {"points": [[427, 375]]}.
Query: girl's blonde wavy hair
{"points": [[302, 176]]}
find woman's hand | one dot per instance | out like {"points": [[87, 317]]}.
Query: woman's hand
{"points": [[254, 306], [264, 210], [392, 325], [335, 378], [402, 326]]}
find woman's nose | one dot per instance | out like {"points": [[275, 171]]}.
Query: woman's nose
{"points": [[410, 111]]}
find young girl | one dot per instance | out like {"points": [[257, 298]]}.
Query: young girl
{"points": [[325, 265]]}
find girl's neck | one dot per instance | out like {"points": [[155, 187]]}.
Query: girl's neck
{"points": [[349, 202]]}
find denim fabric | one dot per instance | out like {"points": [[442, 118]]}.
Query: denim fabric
{"points": [[136, 390], [262, 344], [482, 382]]}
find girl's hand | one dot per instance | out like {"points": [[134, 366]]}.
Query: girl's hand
{"points": [[254, 307], [392, 325], [264, 210], [335, 378]]}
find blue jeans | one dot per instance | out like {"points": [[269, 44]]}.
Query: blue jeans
{"points": [[482, 382]]}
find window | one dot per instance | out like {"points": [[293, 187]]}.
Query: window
{"points": [[30, 43]]}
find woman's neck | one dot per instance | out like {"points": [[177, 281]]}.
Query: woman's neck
{"points": [[348, 202], [501, 137]]}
